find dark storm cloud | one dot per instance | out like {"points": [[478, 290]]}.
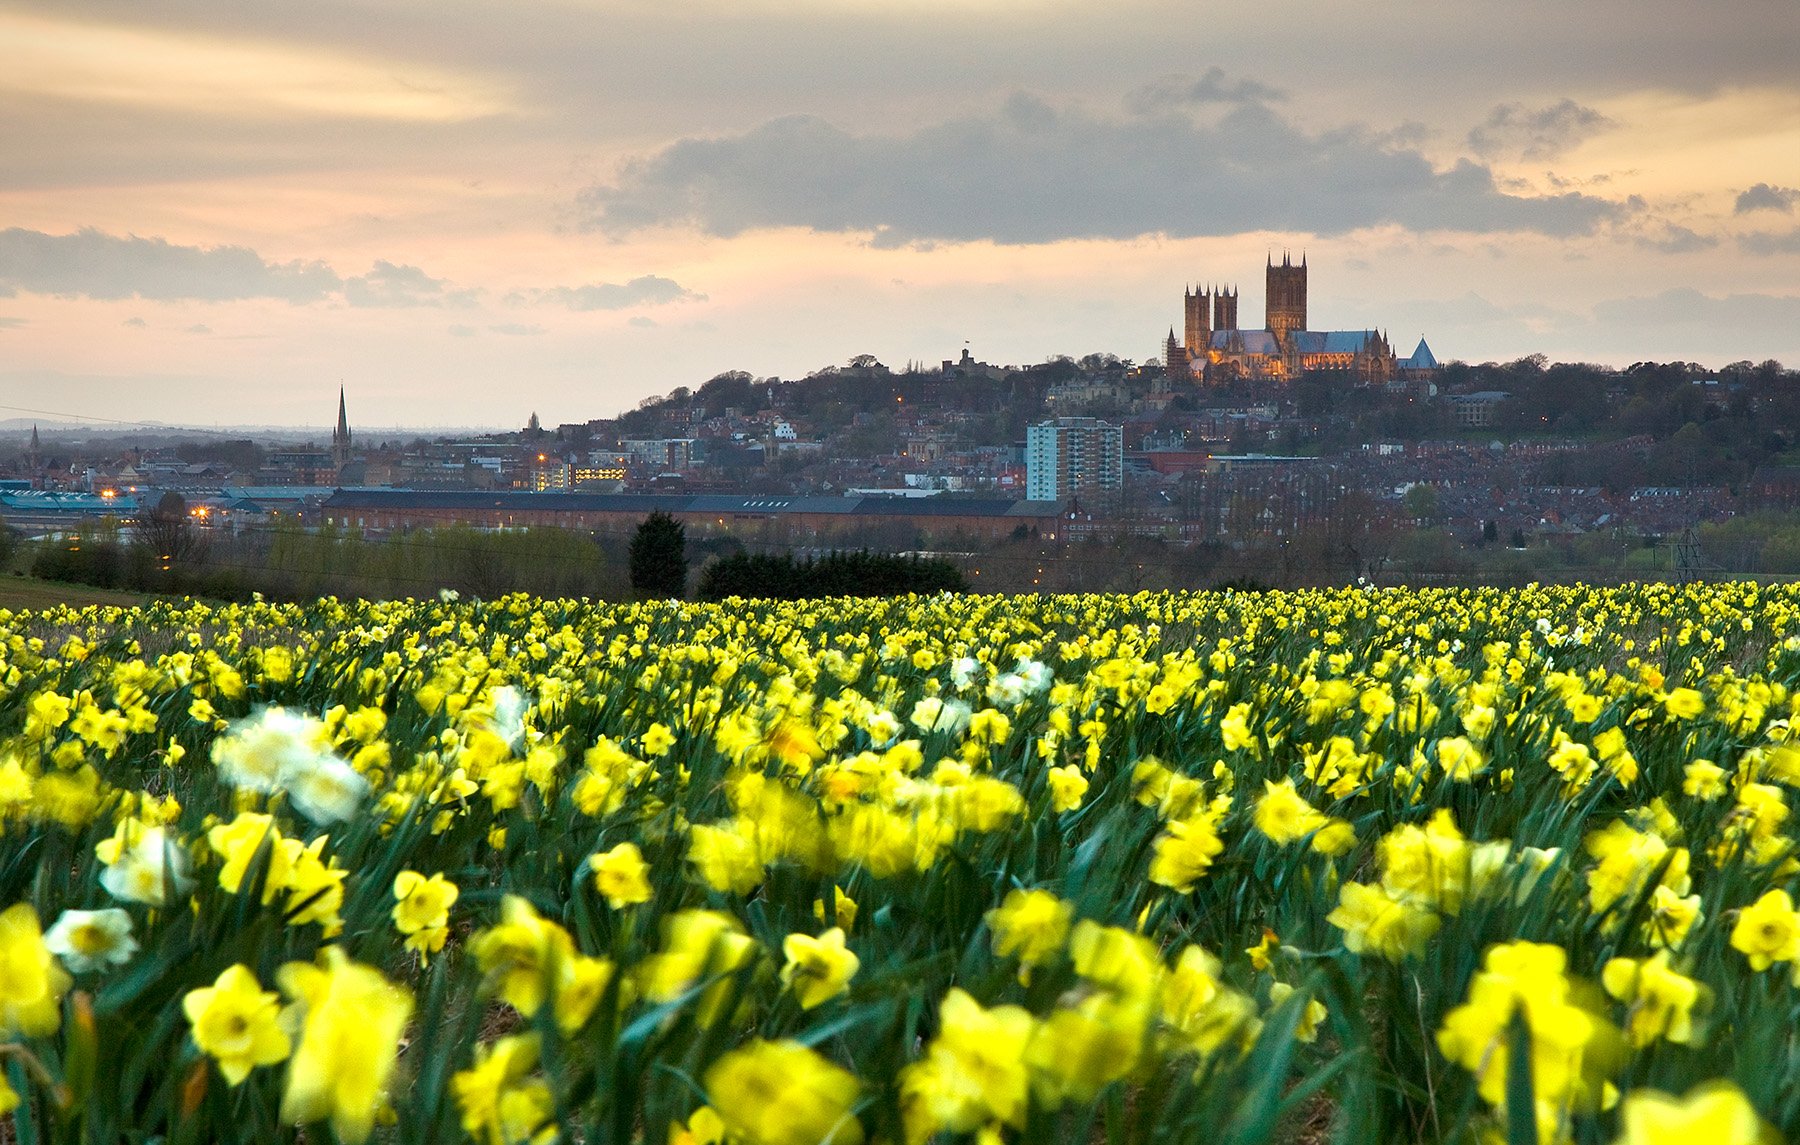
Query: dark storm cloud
{"points": [[1764, 197], [1031, 173], [388, 285], [1536, 133], [645, 290], [1766, 242], [92, 264], [670, 64]]}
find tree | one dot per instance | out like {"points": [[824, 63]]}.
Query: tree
{"points": [[659, 557], [1421, 501], [165, 531]]}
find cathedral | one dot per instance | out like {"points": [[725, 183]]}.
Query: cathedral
{"points": [[1213, 349]]}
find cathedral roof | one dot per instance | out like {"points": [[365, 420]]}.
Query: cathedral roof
{"points": [[1245, 342], [1422, 358], [1331, 341]]}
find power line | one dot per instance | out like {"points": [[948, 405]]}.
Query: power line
{"points": [[83, 417]]}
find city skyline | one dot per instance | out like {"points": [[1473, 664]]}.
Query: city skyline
{"points": [[463, 213]]}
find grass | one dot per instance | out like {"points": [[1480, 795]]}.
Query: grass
{"points": [[22, 592]]}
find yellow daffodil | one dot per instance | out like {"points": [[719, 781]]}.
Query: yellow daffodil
{"points": [[235, 1022], [621, 875], [351, 1019], [818, 969], [1768, 931], [1717, 1113], [1030, 925], [32, 985], [422, 910]]}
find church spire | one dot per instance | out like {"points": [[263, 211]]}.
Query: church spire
{"points": [[340, 437]]}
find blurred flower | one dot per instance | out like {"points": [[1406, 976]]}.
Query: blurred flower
{"points": [[620, 875], [32, 985], [350, 1021], [818, 969], [1661, 1001], [91, 939], [142, 864], [1314, 1012], [782, 1093], [973, 1073], [236, 1023], [1031, 925], [1716, 1113], [1375, 923], [1768, 931], [499, 1103]]}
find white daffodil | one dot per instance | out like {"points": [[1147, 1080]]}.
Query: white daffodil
{"points": [[1006, 690], [279, 750], [963, 671], [1037, 675], [261, 752], [508, 721], [326, 790], [142, 863], [91, 939]]}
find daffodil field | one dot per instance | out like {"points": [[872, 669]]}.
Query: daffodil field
{"points": [[1358, 865]]}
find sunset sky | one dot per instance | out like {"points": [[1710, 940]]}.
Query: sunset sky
{"points": [[465, 212]]}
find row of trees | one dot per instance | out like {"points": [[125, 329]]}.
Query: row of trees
{"points": [[781, 577], [659, 569], [300, 564]]}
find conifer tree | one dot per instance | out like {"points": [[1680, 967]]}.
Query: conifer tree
{"points": [[659, 557]]}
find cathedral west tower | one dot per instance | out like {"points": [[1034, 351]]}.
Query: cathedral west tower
{"points": [[1197, 307]]}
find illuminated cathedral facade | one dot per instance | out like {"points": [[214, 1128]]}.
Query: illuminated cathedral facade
{"points": [[1213, 348]]}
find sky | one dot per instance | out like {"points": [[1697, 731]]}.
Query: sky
{"points": [[465, 213]]}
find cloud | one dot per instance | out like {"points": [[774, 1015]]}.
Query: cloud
{"points": [[1766, 242], [10, 323], [389, 285], [199, 328], [1030, 173], [1764, 197], [1685, 306], [1211, 88], [642, 322], [1676, 239], [139, 323], [92, 264], [517, 329], [460, 331], [644, 290], [1541, 133]]}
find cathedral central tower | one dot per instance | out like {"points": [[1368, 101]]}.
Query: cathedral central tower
{"points": [[1286, 296]]}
